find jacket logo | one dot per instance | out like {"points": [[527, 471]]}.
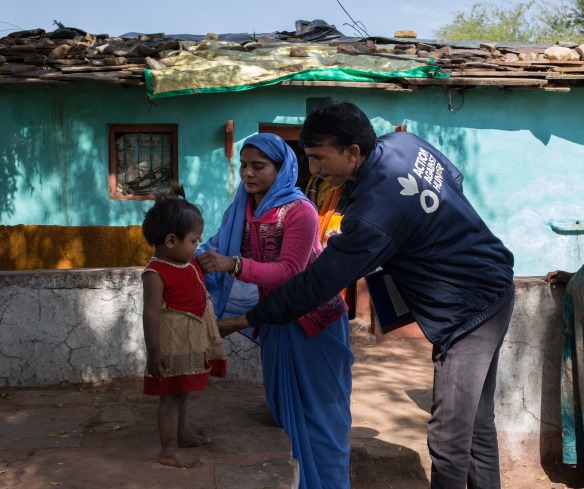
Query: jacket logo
{"points": [[410, 186], [428, 199]]}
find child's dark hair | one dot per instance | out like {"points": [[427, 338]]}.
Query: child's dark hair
{"points": [[170, 214]]}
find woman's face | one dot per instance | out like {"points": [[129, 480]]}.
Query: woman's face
{"points": [[257, 172]]}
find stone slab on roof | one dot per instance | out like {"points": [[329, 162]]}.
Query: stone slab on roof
{"points": [[36, 56]]}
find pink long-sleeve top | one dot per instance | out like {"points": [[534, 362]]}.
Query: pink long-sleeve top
{"points": [[280, 244]]}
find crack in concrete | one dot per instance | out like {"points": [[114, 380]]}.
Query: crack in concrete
{"points": [[519, 342], [525, 406], [538, 419], [133, 299], [239, 349]]}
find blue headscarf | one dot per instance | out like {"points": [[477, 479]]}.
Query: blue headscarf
{"points": [[227, 241]]}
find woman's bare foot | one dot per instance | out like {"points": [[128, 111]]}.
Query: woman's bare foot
{"points": [[188, 439], [175, 460]]}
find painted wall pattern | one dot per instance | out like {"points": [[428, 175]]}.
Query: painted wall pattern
{"points": [[521, 152]]}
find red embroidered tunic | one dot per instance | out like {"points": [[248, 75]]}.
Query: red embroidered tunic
{"points": [[183, 288], [279, 245]]}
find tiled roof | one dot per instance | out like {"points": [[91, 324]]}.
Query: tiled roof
{"points": [[36, 56]]}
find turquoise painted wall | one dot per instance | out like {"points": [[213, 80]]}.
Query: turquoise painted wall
{"points": [[522, 153]]}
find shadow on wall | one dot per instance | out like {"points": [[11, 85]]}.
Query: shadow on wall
{"points": [[551, 422], [543, 114], [9, 178], [59, 247], [551, 446], [64, 327], [54, 162], [211, 183], [40, 159]]}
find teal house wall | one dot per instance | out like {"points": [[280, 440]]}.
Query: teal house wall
{"points": [[521, 152]]}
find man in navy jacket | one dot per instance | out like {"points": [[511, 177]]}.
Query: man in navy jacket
{"points": [[407, 214]]}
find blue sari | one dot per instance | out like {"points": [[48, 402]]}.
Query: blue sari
{"points": [[307, 381]]}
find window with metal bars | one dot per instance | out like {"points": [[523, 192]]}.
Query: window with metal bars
{"points": [[143, 160]]}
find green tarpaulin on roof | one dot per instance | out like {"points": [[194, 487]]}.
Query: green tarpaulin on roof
{"points": [[216, 66]]}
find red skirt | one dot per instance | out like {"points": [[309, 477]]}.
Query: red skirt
{"points": [[184, 383]]}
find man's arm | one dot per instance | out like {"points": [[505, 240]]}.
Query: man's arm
{"points": [[359, 249]]}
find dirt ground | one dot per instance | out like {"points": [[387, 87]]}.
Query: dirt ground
{"points": [[90, 437], [94, 437], [406, 368]]}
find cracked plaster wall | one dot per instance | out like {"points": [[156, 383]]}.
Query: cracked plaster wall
{"points": [[72, 326], [527, 400]]}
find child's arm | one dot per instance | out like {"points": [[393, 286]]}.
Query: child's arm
{"points": [[153, 285]]}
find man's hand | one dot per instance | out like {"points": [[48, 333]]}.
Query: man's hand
{"points": [[211, 261], [231, 325]]}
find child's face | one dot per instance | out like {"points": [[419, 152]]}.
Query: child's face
{"points": [[184, 251]]}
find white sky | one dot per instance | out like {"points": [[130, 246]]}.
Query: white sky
{"points": [[380, 17]]}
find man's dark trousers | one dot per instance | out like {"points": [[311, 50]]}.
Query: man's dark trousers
{"points": [[462, 437]]}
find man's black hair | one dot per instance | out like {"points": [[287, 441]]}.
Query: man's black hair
{"points": [[170, 214], [342, 122]]}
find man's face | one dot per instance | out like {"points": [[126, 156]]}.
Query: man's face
{"points": [[332, 164]]}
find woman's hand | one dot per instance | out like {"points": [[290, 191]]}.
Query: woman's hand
{"points": [[211, 261], [231, 325], [558, 277]]}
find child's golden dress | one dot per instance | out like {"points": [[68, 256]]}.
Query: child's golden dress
{"points": [[189, 337]]}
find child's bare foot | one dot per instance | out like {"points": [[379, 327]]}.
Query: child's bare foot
{"points": [[188, 439], [174, 460]]}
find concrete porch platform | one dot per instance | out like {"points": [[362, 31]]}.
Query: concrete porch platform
{"points": [[105, 436]]}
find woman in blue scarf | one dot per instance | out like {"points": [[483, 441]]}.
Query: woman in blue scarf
{"points": [[268, 235]]}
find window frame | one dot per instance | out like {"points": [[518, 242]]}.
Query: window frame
{"points": [[288, 132], [138, 129]]}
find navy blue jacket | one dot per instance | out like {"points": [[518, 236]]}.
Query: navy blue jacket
{"points": [[407, 213]]}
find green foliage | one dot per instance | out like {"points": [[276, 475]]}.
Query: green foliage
{"points": [[524, 22], [576, 17]]}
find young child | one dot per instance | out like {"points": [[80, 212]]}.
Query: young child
{"points": [[182, 340]]}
